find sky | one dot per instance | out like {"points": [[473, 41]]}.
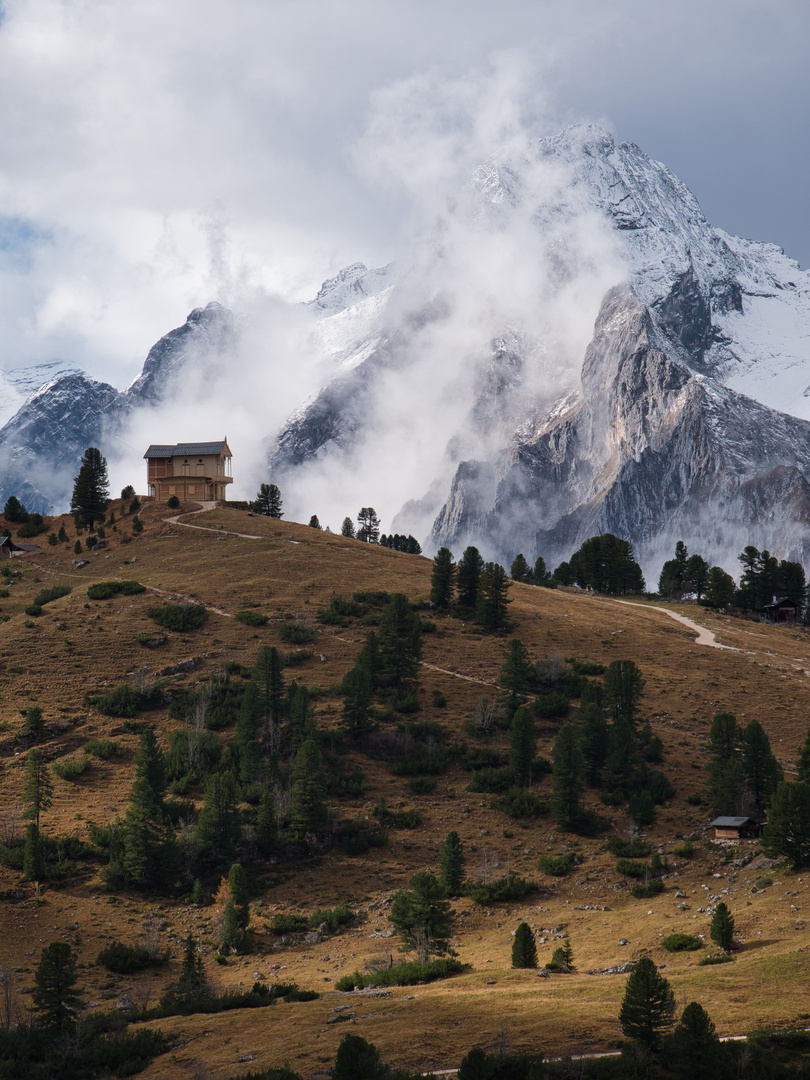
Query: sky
{"points": [[159, 154]]}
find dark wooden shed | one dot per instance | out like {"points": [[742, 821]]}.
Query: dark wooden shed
{"points": [[781, 609], [732, 828]]}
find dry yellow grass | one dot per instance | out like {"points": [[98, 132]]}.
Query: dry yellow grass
{"points": [[79, 645]]}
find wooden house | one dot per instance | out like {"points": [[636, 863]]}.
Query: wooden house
{"points": [[732, 828], [198, 471], [781, 609], [7, 547]]}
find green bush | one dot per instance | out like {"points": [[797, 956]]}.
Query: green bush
{"points": [[374, 598], [681, 943], [685, 850], [407, 974], [519, 803], [252, 618], [551, 706], [289, 924], [33, 609], [104, 748], [709, 961], [103, 590], [396, 819], [422, 785], [511, 887], [296, 657], [296, 633], [120, 702], [492, 781], [629, 868], [648, 890], [172, 502], [151, 641], [124, 959], [335, 917], [178, 616], [54, 593], [70, 770], [628, 848], [558, 865], [586, 667]]}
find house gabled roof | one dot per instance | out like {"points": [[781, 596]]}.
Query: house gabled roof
{"points": [[729, 822], [780, 601], [188, 449]]}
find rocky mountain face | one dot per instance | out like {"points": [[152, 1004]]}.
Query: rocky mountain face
{"points": [[41, 446]]}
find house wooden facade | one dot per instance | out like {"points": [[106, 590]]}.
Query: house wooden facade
{"points": [[781, 609], [198, 471], [733, 828]]}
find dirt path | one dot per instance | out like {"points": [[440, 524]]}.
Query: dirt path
{"points": [[704, 636], [207, 528], [457, 675]]}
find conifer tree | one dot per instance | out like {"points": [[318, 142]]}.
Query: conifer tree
{"points": [[266, 824], [422, 915], [399, 641], [33, 855], [91, 491], [269, 679], [302, 716], [268, 501], [787, 830], [693, 1051], [347, 528], [14, 511], [516, 676], [697, 573], [357, 1059], [622, 756], [563, 956], [451, 864], [762, 771], [358, 697], [314, 522], [522, 746], [192, 982], [240, 894], [37, 794], [308, 812], [593, 733], [34, 726], [248, 729], [55, 997], [492, 600], [520, 569], [719, 588], [540, 574], [567, 768], [524, 948], [442, 579], [803, 761], [648, 1006], [726, 773], [150, 764], [469, 571], [369, 523], [219, 826], [721, 930], [623, 687]]}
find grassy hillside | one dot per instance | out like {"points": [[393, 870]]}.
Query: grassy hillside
{"points": [[232, 562]]}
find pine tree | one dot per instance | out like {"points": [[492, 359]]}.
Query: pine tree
{"points": [[347, 528], [524, 948], [357, 1059], [308, 812], [358, 697], [369, 523], [672, 581], [719, 588], [192, 983], [14, 511], [648, 1006], [55, 998], [803, 761], [516, 677], [563, 956], [399, 641], [593, 735], [622, 757], [314, 522], [34, 726], [693, 1051], [697, 573], [477, 1065], [268, 501], [787, 830], [567, 768], [522, 746], [726, 772], [219, 826], [302, 716], [266, 824], [540, 574], [721, 930], [37, 794], [269, 678], [422, 915], [91, 490], [248, 728], [240, 894], [491, 604], [442, 579], [520, 569], [469, 572], [231, 933], [33, 855], [762, 771], [451, 864], [150, 764], [623, 687]]}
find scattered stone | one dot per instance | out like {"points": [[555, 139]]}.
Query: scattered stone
{"points": [[617, 969], [622, 941], [247, 1057], [125, 1003]]}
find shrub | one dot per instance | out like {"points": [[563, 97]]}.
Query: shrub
{"points": [[151, 641], [422, 785], [511, 887], [335, 917], [708, 961], [33, 609], [289, 924], [296, 633], [103, 590], [551, 706], [104, 748], [628, 848], [491, 781], [178, 616], [518, 803], [121, 702], [124, 959], [407, 974], [685, 850], [681, 943], [296, 657], [375, 598], [252, 618], [172, 502], [629, 868], [54, 593], [586, 667], [558, 865], [71, 770], [647, 890]]}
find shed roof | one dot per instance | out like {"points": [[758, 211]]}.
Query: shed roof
{"points": [[729, 822], [187, 449], [781, 601]]}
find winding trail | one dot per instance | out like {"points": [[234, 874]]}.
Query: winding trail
{"points": [[704, 636]]}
